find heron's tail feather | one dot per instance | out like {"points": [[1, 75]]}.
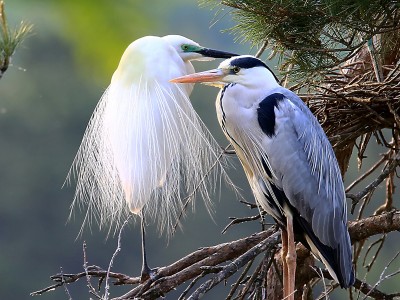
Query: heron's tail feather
{"points": [[337, 260]]}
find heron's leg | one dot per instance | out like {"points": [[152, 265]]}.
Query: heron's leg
{"points": [[290, 258], [284, 238]]}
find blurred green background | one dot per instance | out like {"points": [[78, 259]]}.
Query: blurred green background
{"points": [[46, 99]]}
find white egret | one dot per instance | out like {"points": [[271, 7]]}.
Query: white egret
{"points": [[145, 147], [288, 160]]}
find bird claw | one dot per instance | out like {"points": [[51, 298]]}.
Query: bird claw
{"points": [[148, 273]]}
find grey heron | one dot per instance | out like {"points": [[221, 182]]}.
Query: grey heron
{"points": [[288, 161], [144, 142]]}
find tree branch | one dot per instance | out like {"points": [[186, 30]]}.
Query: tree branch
{"points": [[383, 223], [266, 245], [192, 265]]}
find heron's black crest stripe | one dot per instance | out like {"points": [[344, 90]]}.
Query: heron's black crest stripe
{"points": [[249, 62], [266, 113]]}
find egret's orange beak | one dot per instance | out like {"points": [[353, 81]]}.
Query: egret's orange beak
{"points": [[215, 75]]}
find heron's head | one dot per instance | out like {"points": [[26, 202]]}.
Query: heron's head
{"points": [[246, 70], [190, 50]]}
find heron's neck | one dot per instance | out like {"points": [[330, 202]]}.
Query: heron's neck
{"points": [[263, 81]]}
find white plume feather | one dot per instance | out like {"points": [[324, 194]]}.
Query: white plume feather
{"points": [[145, 146]]}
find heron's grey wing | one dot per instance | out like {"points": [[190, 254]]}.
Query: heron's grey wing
{"points": [[306, 170]]}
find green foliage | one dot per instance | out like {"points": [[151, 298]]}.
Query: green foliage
{"points": [[117, 23], [9, 39], [312, 36]]}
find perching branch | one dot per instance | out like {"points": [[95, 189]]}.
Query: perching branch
{"points": [[240, 251], [383, 223], [190, 266], [265, 246]]}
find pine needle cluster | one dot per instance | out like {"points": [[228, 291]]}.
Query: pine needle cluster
{"points": [[313, 36], [10, 39]]}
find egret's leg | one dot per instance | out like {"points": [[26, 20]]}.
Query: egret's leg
{"points": [[146, 271], [290, 258], [284, 238]]}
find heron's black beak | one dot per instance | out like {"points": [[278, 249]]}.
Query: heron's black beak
{"points": [[207, 52]]}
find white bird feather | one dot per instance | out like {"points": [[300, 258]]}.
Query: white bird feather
{"points": [[145, 146]]}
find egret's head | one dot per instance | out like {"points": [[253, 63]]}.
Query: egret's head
{"points": [[246, 70], [190, 50]]}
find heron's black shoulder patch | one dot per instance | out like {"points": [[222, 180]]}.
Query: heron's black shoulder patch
{"points": [[266, 113]]}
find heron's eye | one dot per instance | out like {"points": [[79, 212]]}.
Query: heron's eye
{"points": [[235, 69], [185, 47]]}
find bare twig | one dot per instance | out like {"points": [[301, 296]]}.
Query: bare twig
{"points": [[238, 282], [266, 245], [382, 277], [192, 283], [380, 243], [93, 271], [92, 290], [240, 220], [65, 286], [372, 186], [117, 250], [369, 290], [252, 278], [366, 173], [262, 49]]}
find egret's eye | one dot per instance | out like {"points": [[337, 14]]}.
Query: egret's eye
{"points": [[235, 70], [185, 47]]}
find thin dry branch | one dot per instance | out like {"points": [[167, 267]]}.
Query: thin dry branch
{"points": [[374, 184], [240, 220], [266, 245], [366, 174]]}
